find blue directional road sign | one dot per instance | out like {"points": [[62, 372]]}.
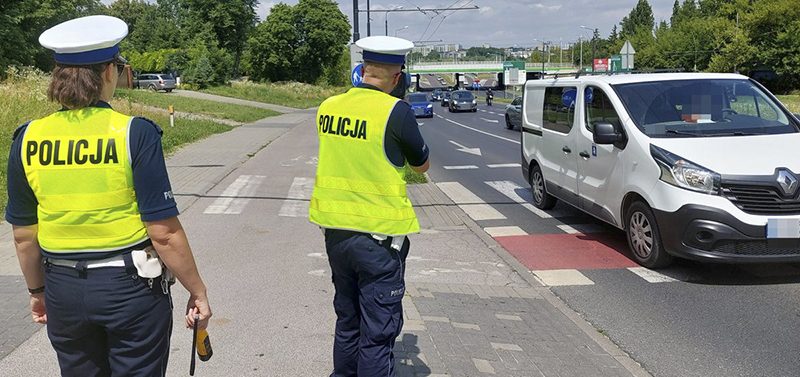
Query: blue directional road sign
{"points": [[356, 75]]}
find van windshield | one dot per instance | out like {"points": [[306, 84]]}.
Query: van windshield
{"points": [[703, 108]]}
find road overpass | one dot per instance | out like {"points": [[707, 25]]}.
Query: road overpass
{"points": [[482, 67]]}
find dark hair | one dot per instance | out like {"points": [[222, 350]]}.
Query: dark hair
{"points": [[76, 86]]}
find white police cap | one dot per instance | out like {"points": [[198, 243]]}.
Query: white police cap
{"points": [[85, 40], [387, 50]]}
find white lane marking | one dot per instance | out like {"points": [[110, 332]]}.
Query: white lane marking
{"points": [[439, 116], [475, 151], [297, 200], [557, 278], [470, 203], [581, 228], [460, 167], [480, 212], [458, 193], [238, 204], [482, 110], [651, 276], [514, 192], [420, 123], [228, 203], [492, 112], [317, 273], [490, 120], [483, 132], [511, 165], [503, 231]]}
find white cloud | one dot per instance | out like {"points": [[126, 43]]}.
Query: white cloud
{"points": [[263, 8]]}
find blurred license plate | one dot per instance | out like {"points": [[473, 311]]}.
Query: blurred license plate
{"points": [[419, 111], [783, 228]]}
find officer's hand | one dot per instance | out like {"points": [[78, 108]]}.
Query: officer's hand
{"points": [[38, 311], [198, 305]]}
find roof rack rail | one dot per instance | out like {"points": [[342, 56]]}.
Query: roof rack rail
{"points": [[609, 73]]}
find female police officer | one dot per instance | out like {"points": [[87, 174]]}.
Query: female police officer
{"points": [[88, 195]]}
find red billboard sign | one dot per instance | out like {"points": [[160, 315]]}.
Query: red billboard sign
{"points": [[602, 65]]}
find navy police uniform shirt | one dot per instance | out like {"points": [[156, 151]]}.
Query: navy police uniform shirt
{"points": [[403, 140], [150, 179]]}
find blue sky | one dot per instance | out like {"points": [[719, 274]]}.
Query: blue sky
{"points": [[501, 23]]}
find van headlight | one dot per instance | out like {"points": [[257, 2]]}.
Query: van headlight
{"points": [[683, 173]]}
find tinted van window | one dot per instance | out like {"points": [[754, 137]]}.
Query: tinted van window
{"points": [[599, 109], [559, 108]]}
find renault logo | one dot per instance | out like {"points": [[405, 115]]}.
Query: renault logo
{"points": [[787, 181]]}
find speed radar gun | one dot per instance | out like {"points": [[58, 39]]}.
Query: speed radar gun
{"points": [[200, 343]]}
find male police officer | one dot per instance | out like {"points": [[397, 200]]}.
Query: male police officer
{"points": [[366, 136]]}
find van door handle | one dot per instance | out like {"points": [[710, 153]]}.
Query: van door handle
{"points": [[584, 154], [566, 150]]}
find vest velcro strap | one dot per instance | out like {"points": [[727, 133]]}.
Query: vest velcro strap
{"points": [[86, 202], [363, 187], [364, 210]]}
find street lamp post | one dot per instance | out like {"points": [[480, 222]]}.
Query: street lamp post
{"points": [[544, 45], [386, 18], [402, 28], [594, 42]]}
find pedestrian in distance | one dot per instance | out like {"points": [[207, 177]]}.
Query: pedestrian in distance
{"points": [[366, 136], [94, 221]]}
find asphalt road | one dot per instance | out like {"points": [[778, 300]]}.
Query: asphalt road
{"points": [[691, 319]]}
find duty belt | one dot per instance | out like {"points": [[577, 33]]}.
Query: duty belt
{"points": [[115, 261]]}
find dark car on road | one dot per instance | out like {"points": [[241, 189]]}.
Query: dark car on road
{"points": [[445, 99], [437, 95], [463, 100], [420, 105], [514, 114]]}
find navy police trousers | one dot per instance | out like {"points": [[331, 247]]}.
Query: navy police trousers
{"points": [[107, 321], [369, 282]]}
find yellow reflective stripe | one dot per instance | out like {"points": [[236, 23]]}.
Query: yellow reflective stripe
{"points": [[127, 227], [364, 187], [363, 210], [86, 202]]}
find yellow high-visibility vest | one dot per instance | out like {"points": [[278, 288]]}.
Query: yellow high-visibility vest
{"points": [[357, 187], [78, 166]]}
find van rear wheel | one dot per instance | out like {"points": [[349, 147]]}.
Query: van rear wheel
{"points": [[541, 199], [644, 237]]}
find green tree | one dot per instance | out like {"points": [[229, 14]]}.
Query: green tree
{"points": [[272, 45], [232, 22], [322, 30], [640, 17]]}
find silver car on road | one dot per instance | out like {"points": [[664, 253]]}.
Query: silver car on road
{"points": [[514, 114], [155, 82]]}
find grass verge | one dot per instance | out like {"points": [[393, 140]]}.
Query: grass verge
{"points": [[413, 177], [23, 98], [239, 113], [792, 102], [292, 94]]}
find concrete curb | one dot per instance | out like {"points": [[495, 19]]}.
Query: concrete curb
{"points": [[604, 342]]}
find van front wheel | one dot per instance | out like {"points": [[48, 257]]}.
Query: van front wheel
{"points": [[541, 199], [644, 238]]}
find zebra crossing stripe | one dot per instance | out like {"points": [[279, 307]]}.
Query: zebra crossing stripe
{"points": [[470, 203], [651, 276], [512, 191], [229, 203], [502, 231], [297, 200], [561, 278]]}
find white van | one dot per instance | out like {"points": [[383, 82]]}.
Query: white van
{"points": [[690, 165]]}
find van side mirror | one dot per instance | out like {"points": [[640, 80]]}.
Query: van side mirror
{"points": [[605, 133]]}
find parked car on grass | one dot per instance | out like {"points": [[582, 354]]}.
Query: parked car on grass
{"points": [[463, 100], [702, 166], [154, 82], [420, 105]]}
